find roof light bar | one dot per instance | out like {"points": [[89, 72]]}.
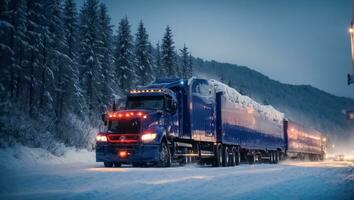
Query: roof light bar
{"points": [[145, 91]]}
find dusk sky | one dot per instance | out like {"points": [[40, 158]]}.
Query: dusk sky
{"points": [[296, 42]]}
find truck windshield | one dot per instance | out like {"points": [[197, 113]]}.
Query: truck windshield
{"points": [[146, 102]]}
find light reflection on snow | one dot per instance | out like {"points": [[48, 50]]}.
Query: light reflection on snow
{"points": [[327, 163], [102, 169], [174, 180]]}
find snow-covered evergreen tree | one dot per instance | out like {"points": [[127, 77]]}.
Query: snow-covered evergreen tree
{"points": [[35, 33], [20, 44], [143, 58], [158, 63], [184, 61], [124, 57], [190, 66], [55, 62], [90, 68], [73, 92], [105, 56], [6, 51], [168, 54]]}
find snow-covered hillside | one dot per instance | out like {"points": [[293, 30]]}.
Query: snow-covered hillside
{"points": [[77, 176]]}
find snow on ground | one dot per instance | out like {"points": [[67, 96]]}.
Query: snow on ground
{"points": [[234, 96], [20, 156], [77, 176]]}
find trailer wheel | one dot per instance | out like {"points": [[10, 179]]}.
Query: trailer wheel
{"points": [[276, 157], [108, 164], [233, 158], [271, 157], [117, 164], [225, 156], [238, 157], [165, 156]]}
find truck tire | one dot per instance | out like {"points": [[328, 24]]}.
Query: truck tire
{"points": [[276, 157], [238, 157], [225, 156], [233, 158], [271, 157], [108, 164], [117, 164], [218, 160], [165, 156]]}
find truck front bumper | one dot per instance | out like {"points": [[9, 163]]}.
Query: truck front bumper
{"points": [[136, 153]]}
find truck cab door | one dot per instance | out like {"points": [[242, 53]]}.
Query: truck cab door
{"points": [[171, 117]]}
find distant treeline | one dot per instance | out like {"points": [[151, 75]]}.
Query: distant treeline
{"points": [[57, 62]]}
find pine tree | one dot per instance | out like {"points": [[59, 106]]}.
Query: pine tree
{"points": [[184, 61], [73, 93], [90, 69], [190, 66], [6, 51], [143, 59], [168, 54], [56, 62], [124, 59], [20, 44], [158, 63], [105, 55], [35, 32]]}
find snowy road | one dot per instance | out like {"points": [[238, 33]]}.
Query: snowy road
{"points": [[290, 180]]}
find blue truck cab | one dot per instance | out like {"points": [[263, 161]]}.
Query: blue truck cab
{"points": [[141, 133]]}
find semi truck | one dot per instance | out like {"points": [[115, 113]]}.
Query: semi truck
{"points": [[179, 121]]}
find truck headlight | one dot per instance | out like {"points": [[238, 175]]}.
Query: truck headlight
{"points": [[101, 138], [147, 137]]}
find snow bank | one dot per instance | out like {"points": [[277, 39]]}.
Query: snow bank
{"points": [[20, 156], [246, 102]]}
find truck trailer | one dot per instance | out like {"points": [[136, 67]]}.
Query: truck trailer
{"points": [[192, 120]]}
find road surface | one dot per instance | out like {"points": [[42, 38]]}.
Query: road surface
{"points": [[289, 180]]}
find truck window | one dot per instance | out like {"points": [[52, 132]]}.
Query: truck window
{"points": [[146, 102]]}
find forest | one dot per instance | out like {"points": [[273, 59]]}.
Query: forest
{"points": [[61, 67]]}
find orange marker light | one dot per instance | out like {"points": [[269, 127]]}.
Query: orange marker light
{"points": [[123, 154], [140, 114]]}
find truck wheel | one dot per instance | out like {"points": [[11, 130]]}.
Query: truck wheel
{"points": [[233, 158], [218, 157], [117, 164], [226, 157], [276, 157], [238, 157], [108, 164], [271, 157], [165, 156]]}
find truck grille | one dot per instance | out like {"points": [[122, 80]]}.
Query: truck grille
{"points": [[123, 138], [124, 126]]}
